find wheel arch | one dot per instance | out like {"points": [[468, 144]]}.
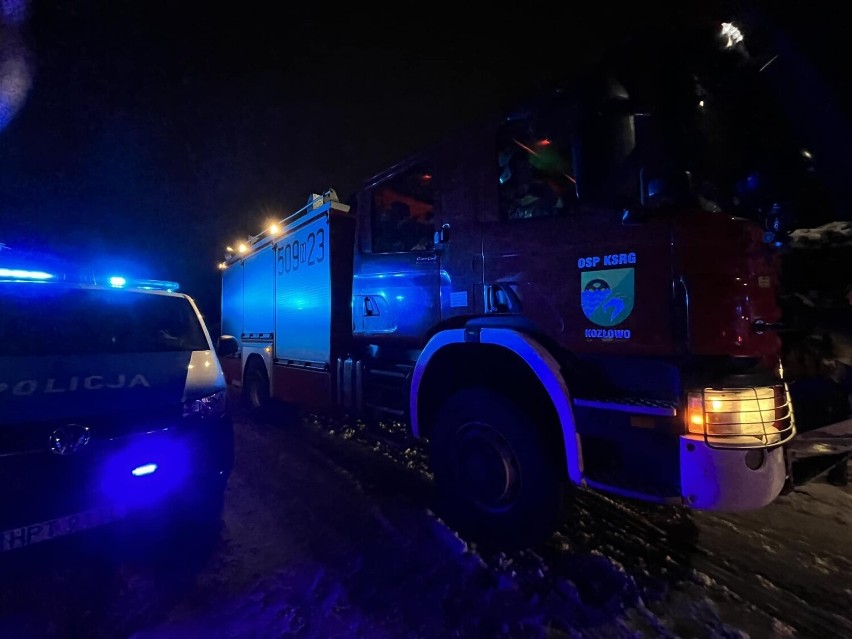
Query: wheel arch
{"points": [[502, 359], [258, 357]]}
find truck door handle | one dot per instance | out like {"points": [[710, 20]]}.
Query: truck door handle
{"points": [[370, 307]]}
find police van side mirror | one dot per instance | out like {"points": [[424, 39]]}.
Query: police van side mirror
{"points": [[227, 346]]}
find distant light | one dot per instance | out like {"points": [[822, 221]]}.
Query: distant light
{"points": [[144, 469], [15, 77], [14, 11], [242, 248], [222, 266], [229, 249], [543, 142], [701, 103], [273, 229], [118, 282], [807, 154], [21, 274], [732, 34]]}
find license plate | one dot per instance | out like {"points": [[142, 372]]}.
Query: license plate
{"points": [[17, 538]]}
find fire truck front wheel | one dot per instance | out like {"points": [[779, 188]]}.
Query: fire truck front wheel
{"points": [[256, 388], [499, 480]]}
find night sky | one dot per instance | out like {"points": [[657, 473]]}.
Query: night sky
{"points": [[153, 134]]}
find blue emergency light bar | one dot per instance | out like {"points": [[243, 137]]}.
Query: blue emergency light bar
{"points": [[27, 265], [153, 285], [116, 281], [23, 275]]}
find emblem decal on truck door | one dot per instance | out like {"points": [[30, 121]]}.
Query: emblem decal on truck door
{"points": [[607, 296]]}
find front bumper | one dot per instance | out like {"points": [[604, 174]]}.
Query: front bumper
{"points": [[41, 486], [729, 479]]}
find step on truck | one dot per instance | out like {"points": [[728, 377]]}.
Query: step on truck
{"points": [[549, 298]]}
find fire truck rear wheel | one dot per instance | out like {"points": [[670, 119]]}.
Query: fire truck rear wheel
{"points": [[499, 479], [256, 389]]}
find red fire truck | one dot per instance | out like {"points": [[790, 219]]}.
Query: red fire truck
{"points": [[558, 295]]}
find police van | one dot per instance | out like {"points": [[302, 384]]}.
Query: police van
{"points": [[112, 406]]}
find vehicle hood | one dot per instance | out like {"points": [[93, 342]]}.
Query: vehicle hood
{"points": [[73, 387]]}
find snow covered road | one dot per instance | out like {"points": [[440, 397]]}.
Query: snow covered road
{"points": [[330, 532]]}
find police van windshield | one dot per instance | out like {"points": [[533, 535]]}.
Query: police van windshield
{"points": [[43, 319]]}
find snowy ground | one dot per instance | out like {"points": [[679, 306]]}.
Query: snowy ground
{"points": [[331, 533]]}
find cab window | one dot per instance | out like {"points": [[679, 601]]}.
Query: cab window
{"points": [[535, 174], [403, 212]]}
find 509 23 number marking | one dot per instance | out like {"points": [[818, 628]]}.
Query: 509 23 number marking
{"points": [[297, 253]]}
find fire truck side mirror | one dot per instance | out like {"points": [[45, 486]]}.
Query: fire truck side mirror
{"points": [[442, 236], [227, 346]]}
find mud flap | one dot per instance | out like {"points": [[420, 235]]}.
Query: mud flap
{"points": [[813, 453]]}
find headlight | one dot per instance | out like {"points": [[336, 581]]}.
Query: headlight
{"points": [[210, 406], [741, 417]]}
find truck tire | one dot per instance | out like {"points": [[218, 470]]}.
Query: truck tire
{"points": [[499, 480], [256, 389]]}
